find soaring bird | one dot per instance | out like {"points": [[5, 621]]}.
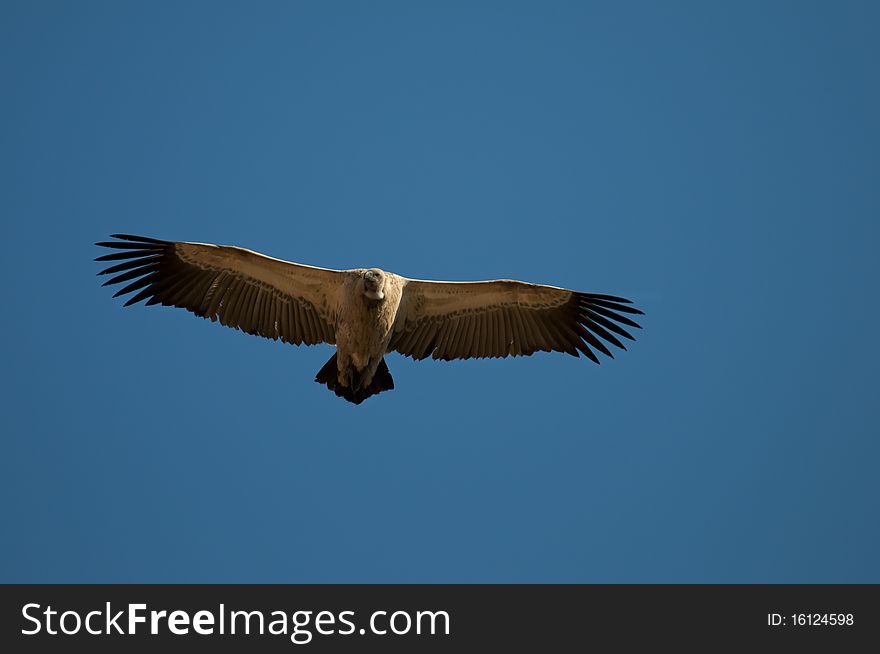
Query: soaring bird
{"points": [[366, 313]]}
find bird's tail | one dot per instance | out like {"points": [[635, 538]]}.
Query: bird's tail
{"points": [[329, 376]]}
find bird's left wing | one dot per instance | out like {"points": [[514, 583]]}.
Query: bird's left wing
{"points": [[499, 318], [242, 289]]}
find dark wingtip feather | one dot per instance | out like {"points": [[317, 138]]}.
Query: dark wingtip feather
{"points": [[141, 239], [140, 283], [609, 311], [131, 274], [132, 263], [143, 295], [127, 254], [610, 298], [615, 306], [130, 245]]}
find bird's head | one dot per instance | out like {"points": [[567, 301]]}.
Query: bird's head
{"points": [[374, 284]]}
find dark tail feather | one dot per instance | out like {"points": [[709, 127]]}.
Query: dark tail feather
{"points": [[328, 375]]}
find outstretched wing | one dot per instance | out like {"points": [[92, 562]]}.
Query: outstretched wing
{"points": [[461, 320], [242, 289]]}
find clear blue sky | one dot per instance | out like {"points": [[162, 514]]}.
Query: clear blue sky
{"points": [[716, 162]]}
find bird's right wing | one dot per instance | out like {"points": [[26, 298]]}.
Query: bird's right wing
{"points": [[242, 289]]}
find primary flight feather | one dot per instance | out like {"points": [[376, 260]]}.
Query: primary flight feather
{"points": [[366, 313]]}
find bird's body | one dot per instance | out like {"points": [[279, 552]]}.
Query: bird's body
{"points": [[364, 326], [365, 313]]}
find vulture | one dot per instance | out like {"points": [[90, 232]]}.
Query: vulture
{"points": [[365, 313]]}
